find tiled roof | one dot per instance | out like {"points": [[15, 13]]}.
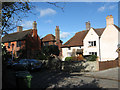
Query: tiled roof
{"points": [[16, 36], [77, 39], [48, 37], [99, 31]]}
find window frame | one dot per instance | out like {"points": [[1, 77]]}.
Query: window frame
{"points": [[46, 43], [92, 43], [69, 48], [18, 43], [93, 53], [9, 44]]}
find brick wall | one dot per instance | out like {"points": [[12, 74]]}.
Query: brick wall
{"points": [[15, 48], [30, 44], [108, 64]]}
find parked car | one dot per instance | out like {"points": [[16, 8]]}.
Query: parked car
{"points": [[27, 64]]}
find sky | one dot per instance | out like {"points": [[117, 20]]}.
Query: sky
{"points": [[72, 19]]}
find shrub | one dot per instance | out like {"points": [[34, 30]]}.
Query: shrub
{"points": [[86, 56], [74, 58], [92, 58], [80, 57], [68, 58], [41, 57]]}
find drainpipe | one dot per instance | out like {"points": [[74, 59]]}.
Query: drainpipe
{"points": [[99, 49]]}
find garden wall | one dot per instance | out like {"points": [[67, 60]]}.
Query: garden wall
{"points": [[91, 66], [78, 66], [108, 64]]}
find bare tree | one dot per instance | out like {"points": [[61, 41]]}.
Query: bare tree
{"points": [[13, 12]]}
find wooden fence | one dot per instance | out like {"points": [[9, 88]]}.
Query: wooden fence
{"points": [[108, 64]]}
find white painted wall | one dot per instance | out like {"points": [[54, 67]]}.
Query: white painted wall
{"points": [[91, 36], [67, 53], [119, 37], [109, 42]]}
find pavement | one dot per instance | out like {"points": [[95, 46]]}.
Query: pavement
{"points": [[111, 74]]}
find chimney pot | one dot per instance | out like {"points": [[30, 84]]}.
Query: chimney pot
{"points": [[88, 25], [19, 28], [35, 29], [34, 25], [109, 20], [57, 27]]}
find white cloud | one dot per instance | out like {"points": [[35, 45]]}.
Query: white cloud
{"points": [[48, 11], [112, 7], [64, 35], [106, 7], [48, 21], [27, 24], [101, 9]]}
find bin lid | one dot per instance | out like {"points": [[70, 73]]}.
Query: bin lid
{"points": [[22, 74]]}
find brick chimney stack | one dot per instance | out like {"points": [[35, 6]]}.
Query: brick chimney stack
{"points": [[19, 28], [35, 29], [57, 33], [88, 25], [109, 20]]}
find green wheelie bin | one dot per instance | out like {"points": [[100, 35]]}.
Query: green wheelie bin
{"points": [[23, 79]]}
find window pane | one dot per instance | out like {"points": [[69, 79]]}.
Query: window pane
{"points": [[69, 54], [94, 43], [69, 48], [18, 43], [46, 43], [91, 43], [92, 53], [9, 44], [96, 53]]}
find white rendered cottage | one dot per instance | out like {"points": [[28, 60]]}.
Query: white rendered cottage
{"points": [[101, 41]]}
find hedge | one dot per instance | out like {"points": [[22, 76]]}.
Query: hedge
{"points": [[68, 58]]}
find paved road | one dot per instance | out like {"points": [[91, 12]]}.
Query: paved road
{"points": [[86, 82], [82, 81], [47, 79], [113, 73]]}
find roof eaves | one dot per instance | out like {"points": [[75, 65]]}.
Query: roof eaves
{"points": [[117, 27]]}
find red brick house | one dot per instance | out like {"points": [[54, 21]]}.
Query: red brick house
{"points": [[50, 39], [27, 40]]}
